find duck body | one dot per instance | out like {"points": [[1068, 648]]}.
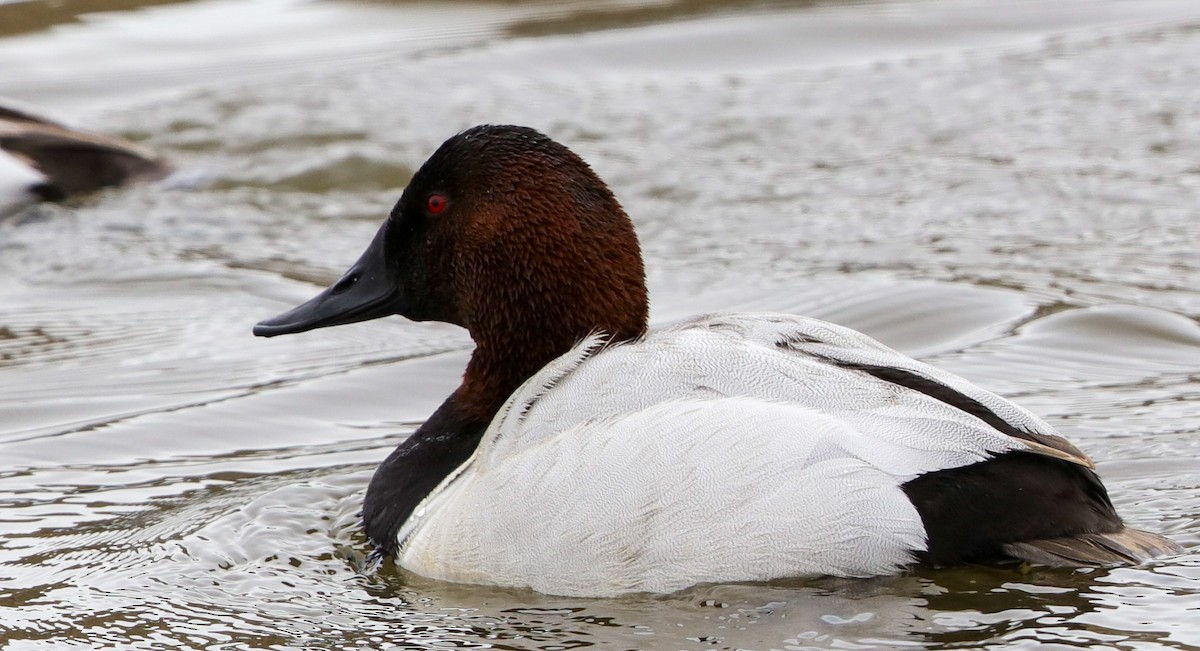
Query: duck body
{"points": [[734, 447], [44, 160], [585, 454]]}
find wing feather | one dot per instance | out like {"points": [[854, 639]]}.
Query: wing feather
{"points": [[777, 358]]}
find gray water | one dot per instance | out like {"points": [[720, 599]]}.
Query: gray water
{"points": [[1008, 189]]}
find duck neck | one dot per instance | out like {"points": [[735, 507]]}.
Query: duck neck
{"points": [[589, 280], [498, 369]]}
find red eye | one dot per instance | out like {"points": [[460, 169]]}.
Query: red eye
{"points": [[436, 203]]}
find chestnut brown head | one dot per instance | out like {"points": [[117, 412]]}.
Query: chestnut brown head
{"points": [[504, 232]]}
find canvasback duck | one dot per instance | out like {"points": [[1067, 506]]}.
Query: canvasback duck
{"points": [[43, 160], [585, 454]]}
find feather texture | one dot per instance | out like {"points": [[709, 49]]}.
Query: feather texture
{"points": [[1094, 549], [723, 448]]}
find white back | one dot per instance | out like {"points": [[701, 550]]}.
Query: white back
{"points": [[776, 357]]}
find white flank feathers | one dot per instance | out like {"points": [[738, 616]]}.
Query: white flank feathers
{"points": [[724, 448]]}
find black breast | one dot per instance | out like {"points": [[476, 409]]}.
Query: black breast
{"points": [[414, 469]]}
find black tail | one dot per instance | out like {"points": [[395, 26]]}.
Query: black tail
{"points": [[1027, 506]]}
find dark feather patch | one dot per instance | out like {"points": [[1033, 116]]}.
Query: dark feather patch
{"points": [[972, 512]]}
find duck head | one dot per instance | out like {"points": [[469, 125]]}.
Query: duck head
{"points": [[503, 232]]}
